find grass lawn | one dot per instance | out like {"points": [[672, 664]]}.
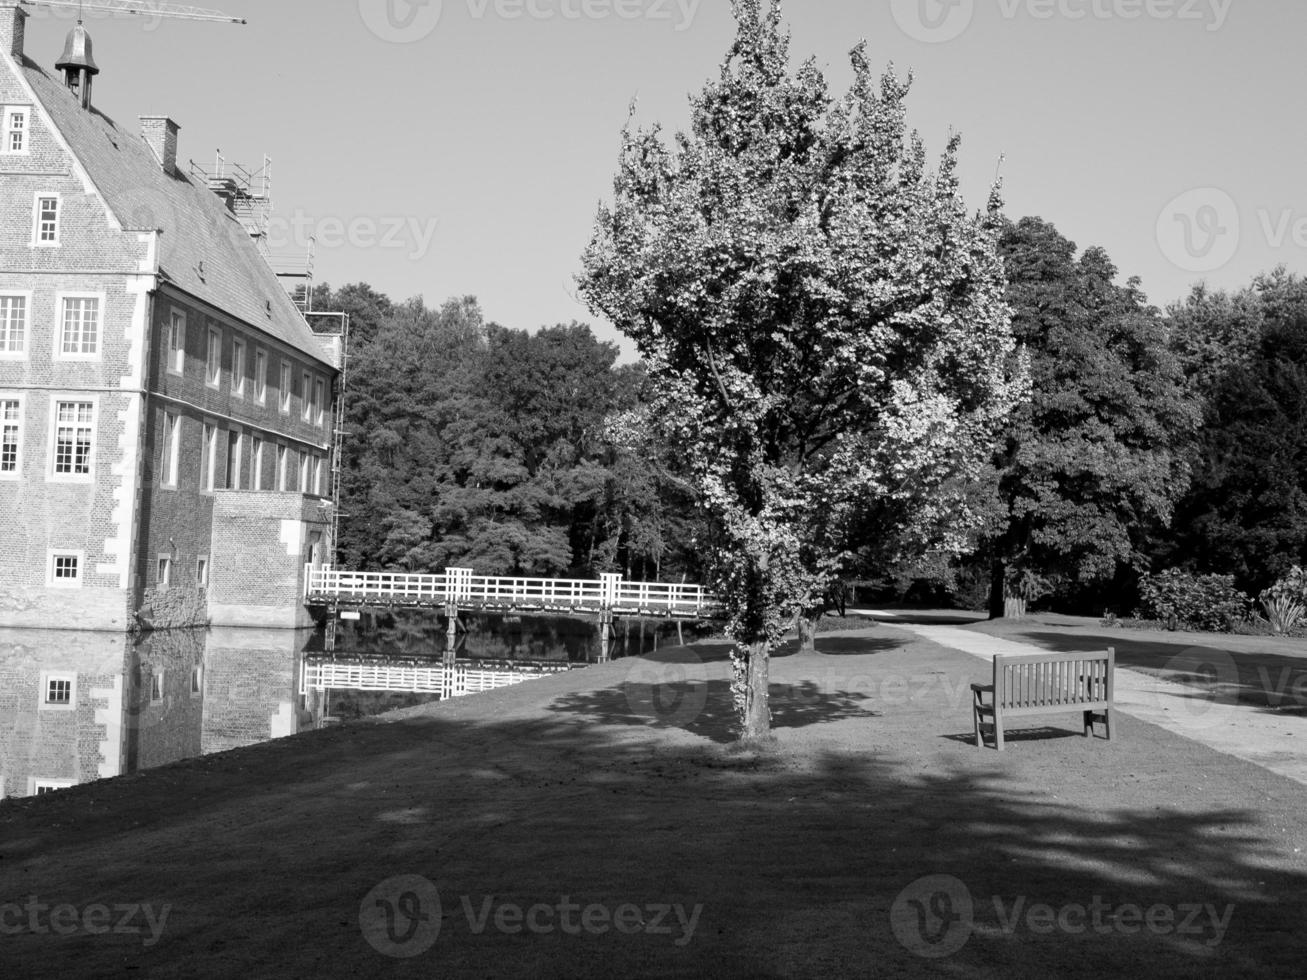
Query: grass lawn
{"points": [[601, 824]]}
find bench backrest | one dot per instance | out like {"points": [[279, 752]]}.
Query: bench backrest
{"points": [[1054, 679]]}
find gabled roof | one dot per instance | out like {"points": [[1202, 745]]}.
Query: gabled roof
{"points": [[204, 249]]}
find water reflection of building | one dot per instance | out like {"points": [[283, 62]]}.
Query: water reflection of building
{"points": [[77, 706]]}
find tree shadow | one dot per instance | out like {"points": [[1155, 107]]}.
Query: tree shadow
{"points": [[809, 858]]}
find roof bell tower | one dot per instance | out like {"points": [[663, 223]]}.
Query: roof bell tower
{"points": [[77, 64]]}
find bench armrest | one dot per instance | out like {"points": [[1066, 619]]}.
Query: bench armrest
{"points": [[983, 688]]}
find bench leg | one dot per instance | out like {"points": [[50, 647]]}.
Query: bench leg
{"points": [[975, 718], [998, 728], [1107, 723], [1089, 723]]}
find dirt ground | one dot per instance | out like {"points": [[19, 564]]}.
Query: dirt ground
{"points": [[602, 824]]}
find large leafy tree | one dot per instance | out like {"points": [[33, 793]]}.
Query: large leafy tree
{"points": [[1245, 513], [823, 323], [1097, 456]]}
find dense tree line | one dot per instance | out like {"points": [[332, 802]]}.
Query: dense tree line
{"points": [[469, 444]]}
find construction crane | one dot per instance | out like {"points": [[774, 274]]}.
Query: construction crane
{"points": [[147, 8]]}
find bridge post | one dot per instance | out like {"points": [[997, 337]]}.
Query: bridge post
{"points": [[451, 634], [605, 635]]}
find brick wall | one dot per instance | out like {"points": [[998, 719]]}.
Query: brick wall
{"points": [[252, 687]]}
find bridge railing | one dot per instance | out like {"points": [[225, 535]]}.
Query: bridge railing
{"points": [[461, 586]]}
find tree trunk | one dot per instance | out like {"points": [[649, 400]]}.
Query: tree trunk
{"points": [[996, 576], [757, 713], [807, 633], [1014, 607]]}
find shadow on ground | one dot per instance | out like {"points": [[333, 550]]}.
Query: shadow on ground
{"points": [[805, 858]]}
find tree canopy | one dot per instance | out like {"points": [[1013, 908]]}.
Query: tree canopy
{"points": [[823, 322]]}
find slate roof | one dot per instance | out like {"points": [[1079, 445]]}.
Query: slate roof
{"points": [[204, 249]]}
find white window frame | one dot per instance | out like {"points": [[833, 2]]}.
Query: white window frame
{"points": [[21, 352], [14, 396], [61, 312], [209, 449], [260, 376], [197, 681], [287, 379], [235, 457], [49, 677], [213, 358], [305, 471], [238, 367], [177, 350], [306, 398], [283, 467], [57, 240], [25, 130], [170, 450], [256, 462], [157, 689], [53, 447], [163, 573], [202, 571], [320, 399], [65, 583], [317, 476], [37, 783]]}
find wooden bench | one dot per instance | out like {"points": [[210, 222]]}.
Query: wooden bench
{"points": [[1041, 684]]}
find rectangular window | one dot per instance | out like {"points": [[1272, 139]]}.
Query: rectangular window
{"points": [[11, 432], [177, 343], [256, 464], [285, 387], [238, 368], [164, 578], [213, 362], [306, 398], [15, 136], [13, 324], [283, 467], [319, 400], [197, 680], [169, 458], [317, 475], [156, 686], [208, 455], [234, 446], [304, 472], [80, 327], [66, 569], [59, 691], [261, 376], [202, 572], [47, 221], [73, 438]]}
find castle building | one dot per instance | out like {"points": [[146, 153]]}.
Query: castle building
{"points": [[166, 411]]}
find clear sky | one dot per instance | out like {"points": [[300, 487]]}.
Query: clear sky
{"points": [[459, 147]]}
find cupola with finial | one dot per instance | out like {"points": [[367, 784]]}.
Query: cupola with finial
{"points": [[77, 63]]}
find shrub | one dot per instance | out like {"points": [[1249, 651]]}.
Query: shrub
{"points": [[1293, 587], [1283, 614], [1209, 603]]}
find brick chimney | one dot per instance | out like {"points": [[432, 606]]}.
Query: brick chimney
{"points": [[13, 27], [161, 133]]}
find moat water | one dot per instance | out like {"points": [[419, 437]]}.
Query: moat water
{"points": [[76, 706]]}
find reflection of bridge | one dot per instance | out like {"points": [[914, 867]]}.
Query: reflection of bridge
{"points": [[447, 680], [459, 590]]}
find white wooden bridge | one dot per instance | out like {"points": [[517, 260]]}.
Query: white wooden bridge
{"points": [[464, 591], [447, 680]]}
